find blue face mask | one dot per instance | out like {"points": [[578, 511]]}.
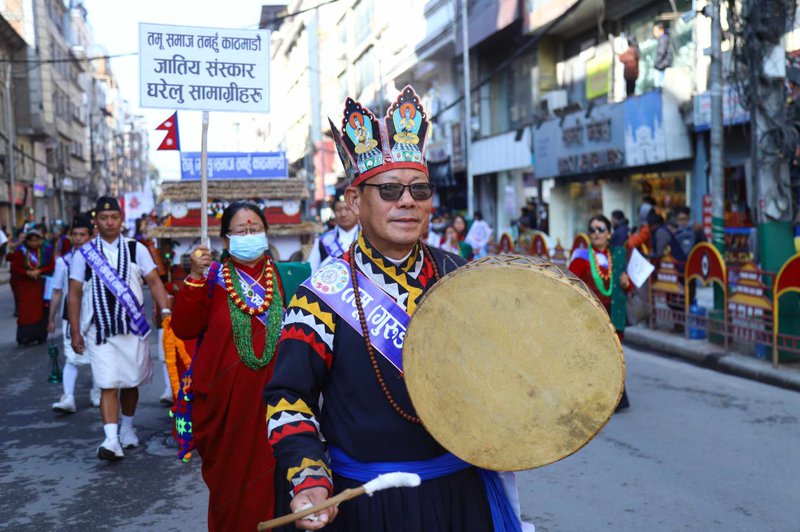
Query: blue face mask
{"points": [[248, 247]]}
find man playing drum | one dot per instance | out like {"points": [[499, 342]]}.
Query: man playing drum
{"points": [[342, 339]]}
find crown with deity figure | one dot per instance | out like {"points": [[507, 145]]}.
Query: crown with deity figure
{"points": [[368, 146]]}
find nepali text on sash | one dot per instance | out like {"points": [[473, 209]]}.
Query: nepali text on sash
{"points": [[387, 321]]}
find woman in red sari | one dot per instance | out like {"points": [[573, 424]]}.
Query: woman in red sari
{"points": [[29, 265], [236, 312], [594, 266]]}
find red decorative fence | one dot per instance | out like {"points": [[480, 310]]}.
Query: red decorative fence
{"points": [[787, 281]]}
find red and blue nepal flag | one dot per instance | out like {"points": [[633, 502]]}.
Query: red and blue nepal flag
{"points": [[173, 140]]}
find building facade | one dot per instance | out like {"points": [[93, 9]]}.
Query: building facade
{"points": [[71, 127]]}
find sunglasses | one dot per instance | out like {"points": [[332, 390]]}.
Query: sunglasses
{"points": [[394, 191], [593, 230]]}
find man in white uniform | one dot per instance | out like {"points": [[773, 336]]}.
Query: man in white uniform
{"points": [[81, 231], [333, 243], [106, 318]]}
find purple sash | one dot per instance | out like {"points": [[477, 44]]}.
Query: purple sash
{"points": [[330, 239], [387, 321], [247, 283], [32, 257], [99, 264]]}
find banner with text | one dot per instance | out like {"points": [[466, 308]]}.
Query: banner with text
{"points": [[236, 165], [205, 69]]}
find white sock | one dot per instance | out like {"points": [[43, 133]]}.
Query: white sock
{"points": [[167, 385], [111, 431], [70, 375], [127, 422]]}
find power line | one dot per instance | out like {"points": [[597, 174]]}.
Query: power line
{"points": [[70, 60]]}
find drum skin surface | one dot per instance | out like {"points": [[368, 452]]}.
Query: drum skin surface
{"points": [[512, 364]]}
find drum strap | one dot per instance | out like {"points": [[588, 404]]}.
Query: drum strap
{"points": [[504, 517], [387, 320]]}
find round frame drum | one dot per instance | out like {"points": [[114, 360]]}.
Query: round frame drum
{"points": [[512, 363]]}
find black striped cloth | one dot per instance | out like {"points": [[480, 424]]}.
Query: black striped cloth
{"points": [[110, 319]]}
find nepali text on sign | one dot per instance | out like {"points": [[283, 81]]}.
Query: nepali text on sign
{"points": [[230, 165], [205, 69]]}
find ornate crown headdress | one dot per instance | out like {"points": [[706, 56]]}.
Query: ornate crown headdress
{"points": [[368, 146]]}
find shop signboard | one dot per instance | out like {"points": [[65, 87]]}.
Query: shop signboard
{"points": [[645, 137], [580, 143], [233, 165], [708, 217], [733, 112], [598, 74]]}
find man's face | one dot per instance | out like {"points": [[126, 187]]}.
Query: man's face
{"points": [[682, 220], [657, 31], [393, 227], [109, 224], [80, 236], [345, 218]]}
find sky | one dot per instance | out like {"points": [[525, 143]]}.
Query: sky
{"points": [[116, 27]]}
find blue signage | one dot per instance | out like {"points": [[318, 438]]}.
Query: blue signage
{"points": [[236, 165]]}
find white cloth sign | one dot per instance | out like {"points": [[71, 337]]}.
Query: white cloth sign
{"points": [[639, 268], [205, 69]]}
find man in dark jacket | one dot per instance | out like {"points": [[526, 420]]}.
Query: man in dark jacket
{"points": [[621, 231], [663, 53]]}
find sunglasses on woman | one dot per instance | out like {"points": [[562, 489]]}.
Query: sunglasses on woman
{"points": [[600, 230], [394, 191]]}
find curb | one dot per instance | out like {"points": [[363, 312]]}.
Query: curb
{"points": [[705, 354]]}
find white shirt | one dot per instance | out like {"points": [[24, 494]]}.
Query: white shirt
{"points": [[77, 270], [3, 237], [345, 239]]}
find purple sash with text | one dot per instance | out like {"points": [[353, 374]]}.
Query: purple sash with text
{"points": [[387, 321], [109, 276]]}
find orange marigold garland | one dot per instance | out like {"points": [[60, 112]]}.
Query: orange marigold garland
{"points": [[173, 348]]}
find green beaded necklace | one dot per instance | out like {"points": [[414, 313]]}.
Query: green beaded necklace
{"points": [[241, 322], [598, 280]]}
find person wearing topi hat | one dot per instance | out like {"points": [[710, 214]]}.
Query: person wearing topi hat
{"points": [[107, 321], [80, 231]]}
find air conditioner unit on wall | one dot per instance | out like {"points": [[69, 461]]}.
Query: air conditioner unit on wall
{"points": [[553, 100]]}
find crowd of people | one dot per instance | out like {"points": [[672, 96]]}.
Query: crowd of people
{"points": [[294, 398]]}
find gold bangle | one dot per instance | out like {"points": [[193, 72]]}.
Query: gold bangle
{"points": [[187, 282]]}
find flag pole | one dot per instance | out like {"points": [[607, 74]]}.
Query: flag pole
{"points": [[204, 183]]}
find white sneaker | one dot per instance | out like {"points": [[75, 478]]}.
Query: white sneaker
{"points": [[128, 438], [65, 405], [94, 395], [110, 450]]}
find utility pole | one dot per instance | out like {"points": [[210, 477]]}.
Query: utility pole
{"points": [[10, 156], [316, 105], [717, 176], [467, 108]]}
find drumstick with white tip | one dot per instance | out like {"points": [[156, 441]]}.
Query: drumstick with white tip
{"points": [[381, 482]]}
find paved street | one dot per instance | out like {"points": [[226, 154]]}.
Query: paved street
{"points": [[697, 451], [50, 477]]}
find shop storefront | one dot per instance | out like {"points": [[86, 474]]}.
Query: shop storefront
{"points": [[609, 157]]}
